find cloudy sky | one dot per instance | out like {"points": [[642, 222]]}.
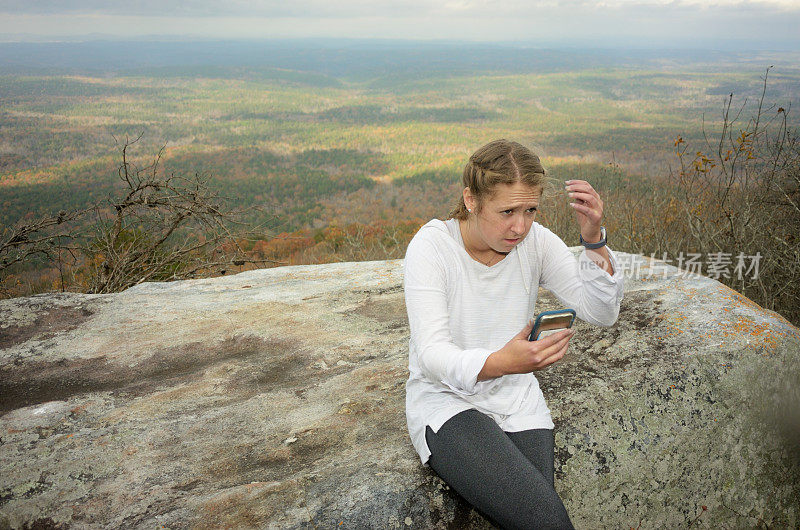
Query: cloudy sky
{"points": [[770, 24]]}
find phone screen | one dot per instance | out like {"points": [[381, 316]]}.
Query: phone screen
{"points": [[550, 322]]}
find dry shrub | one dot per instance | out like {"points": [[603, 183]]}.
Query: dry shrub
{"points": [[734, 201], [158, 227]]}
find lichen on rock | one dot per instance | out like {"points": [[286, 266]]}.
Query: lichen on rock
{"points": [[275, 398]]}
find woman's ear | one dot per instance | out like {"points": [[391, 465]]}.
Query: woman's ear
{"points": [[469, 199]]}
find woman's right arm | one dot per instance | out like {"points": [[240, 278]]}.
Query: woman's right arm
{"points": [[520, 356], [439, 359]]}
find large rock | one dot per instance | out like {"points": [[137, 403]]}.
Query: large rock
{"points": [[275, 398]]}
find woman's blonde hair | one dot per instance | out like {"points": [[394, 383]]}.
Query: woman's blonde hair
{"points": [[498, 162]]}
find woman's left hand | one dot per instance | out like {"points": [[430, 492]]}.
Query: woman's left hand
{"points": [[588, 208]]}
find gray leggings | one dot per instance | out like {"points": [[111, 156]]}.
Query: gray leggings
{"points": [[507, 476]]}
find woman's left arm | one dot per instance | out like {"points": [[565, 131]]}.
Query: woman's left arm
{"points": [[592, 285], [589, 213]]}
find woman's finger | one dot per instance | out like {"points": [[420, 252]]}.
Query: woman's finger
{"points": [[526, 331], [588, 198], [583, 193], [547, 351], [593, 215], [579, 185], [587, 189], [557, 356], [577, 182], [553, 338], [584, 187]]}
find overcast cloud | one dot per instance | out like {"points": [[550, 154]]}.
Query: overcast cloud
{"points": [[368, 8], [770, 23]]}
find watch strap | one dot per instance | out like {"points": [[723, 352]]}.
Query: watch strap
{"points": [[599, 244]]}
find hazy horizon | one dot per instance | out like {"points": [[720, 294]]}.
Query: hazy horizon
{"points": [[738, 25]]}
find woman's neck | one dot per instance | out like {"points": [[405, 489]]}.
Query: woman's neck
{"points": [[479, 251]]}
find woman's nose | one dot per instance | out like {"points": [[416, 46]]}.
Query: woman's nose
{"points": [[519, 224]]}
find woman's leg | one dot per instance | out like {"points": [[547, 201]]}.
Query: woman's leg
{"points": [[537, 446], [478, 460]]}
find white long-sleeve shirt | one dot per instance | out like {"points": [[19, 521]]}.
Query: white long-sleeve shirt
{"points": [[460, 311]]}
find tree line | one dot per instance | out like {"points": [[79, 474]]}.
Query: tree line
{"points": [[732, 192]]}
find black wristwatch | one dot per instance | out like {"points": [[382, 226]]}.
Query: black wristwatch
{"points": [[599, 244]]}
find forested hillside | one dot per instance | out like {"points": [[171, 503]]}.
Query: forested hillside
{"points": [[344, 152]]}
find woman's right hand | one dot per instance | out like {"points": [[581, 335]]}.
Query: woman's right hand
{"points": [[521, 356]]}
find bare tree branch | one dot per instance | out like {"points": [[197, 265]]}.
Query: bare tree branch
{"points": [[157, 227]]}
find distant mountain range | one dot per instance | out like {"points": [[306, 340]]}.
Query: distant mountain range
{"points": [[352, 59]]}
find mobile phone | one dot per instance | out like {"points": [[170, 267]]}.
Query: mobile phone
{"points": [[549, 322]]}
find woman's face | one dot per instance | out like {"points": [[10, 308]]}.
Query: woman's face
{"points": [[505, 218]]}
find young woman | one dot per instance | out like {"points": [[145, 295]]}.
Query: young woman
{"points": [[475, 412]]}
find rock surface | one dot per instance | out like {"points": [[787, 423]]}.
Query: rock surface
{"points": [[275, 398]]}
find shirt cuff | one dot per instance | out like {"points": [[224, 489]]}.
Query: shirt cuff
{"points": [[606, 287], [589, 270], [468, 365]]}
